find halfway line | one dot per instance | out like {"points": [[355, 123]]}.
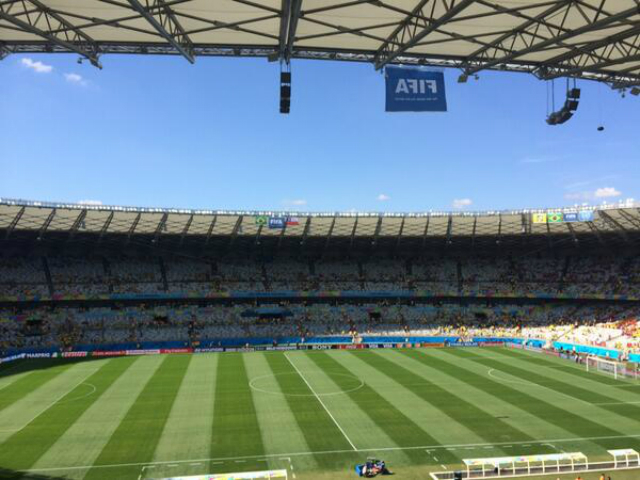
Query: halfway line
{"points": [[321, 402]]}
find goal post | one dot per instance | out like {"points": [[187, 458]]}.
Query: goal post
{"points": [[610, 367]]}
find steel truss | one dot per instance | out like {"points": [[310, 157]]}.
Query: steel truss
{"points": [[34, 17], [162, 18], [551, 38]]}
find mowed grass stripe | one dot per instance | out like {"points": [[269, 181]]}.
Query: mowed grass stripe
{"points": [[137, 436], [24, 448], [568, 421], [278, 426], [572, 422], [399, 427], [236, 429], [23, 386], [319, 430], [570, 368], [458, 409], [21, 413], [83, 442], [188, 435], [630, 411]]}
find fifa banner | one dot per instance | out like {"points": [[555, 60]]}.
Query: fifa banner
{"points": [[276, 222], [414, 90]]}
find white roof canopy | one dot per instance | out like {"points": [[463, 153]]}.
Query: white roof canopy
{"points": [[596, 39]]}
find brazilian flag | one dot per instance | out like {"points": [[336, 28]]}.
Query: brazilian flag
{"points": [[554, 217], [262, 220]]}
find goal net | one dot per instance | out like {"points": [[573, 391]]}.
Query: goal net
{"points": [[617, 369]]}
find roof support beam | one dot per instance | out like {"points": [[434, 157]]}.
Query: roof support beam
{"points": [[236, 229], [133, 227], [426, 231], [353, 232], [419, 24], [305, 233], [473, 231], [106, 225], [76, 224], [612, 222], [46, 224], [160, 227], [14, 222], [186, 228], [281, 236], [595, 55], [333, 224], [162, 18], [629, 218], [596, 232], [289, 16], [449, 228], [210, 231], [527, 35], [400, 232], [38, 19], [376, 234], [572, 232], [258, 233]]}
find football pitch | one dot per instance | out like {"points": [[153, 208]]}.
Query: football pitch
{"points": [[314, 413]]}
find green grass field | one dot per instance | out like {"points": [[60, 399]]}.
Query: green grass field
{"points": [[313, 413]]}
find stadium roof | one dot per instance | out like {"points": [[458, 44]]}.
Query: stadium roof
{"points": [[37, 222], [595, 39]]}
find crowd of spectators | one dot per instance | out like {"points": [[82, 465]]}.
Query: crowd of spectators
{"points": [[601, 325], [494, 276]]}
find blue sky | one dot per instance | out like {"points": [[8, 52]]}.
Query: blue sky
{"points": [[157, 131]]}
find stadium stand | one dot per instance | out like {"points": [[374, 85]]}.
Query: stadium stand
{"points": [[64, 287]]}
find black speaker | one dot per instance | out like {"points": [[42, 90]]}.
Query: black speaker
{"points": [[457, 475], [285, 91], [574, 93], [285, 77], [571, 105]]}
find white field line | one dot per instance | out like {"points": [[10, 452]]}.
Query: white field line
{"points": [[332, 452], [321, 402], [51, 404]]}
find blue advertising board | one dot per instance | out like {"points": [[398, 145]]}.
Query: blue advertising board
{"points": [[414, 90], [277, 222], [585, 216], [570, 217]]}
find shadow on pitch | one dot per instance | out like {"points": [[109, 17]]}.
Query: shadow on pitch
{"points": [[12, 474], [34, 364]]}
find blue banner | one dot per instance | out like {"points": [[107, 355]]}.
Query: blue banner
{"points": [[277, 222], [585, 216], [414, 90]]}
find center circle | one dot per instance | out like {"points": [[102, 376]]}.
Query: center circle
{"points": [[291, 384]]}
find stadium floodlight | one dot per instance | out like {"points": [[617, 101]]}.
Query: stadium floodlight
{"points": [[463, 78], [635, 91]]}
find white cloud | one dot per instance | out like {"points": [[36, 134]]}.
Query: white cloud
{"points": [[383, 198], [607, 192], [75, 78], [90, 202], [460, 203], [37, 67], [299, 202]]}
